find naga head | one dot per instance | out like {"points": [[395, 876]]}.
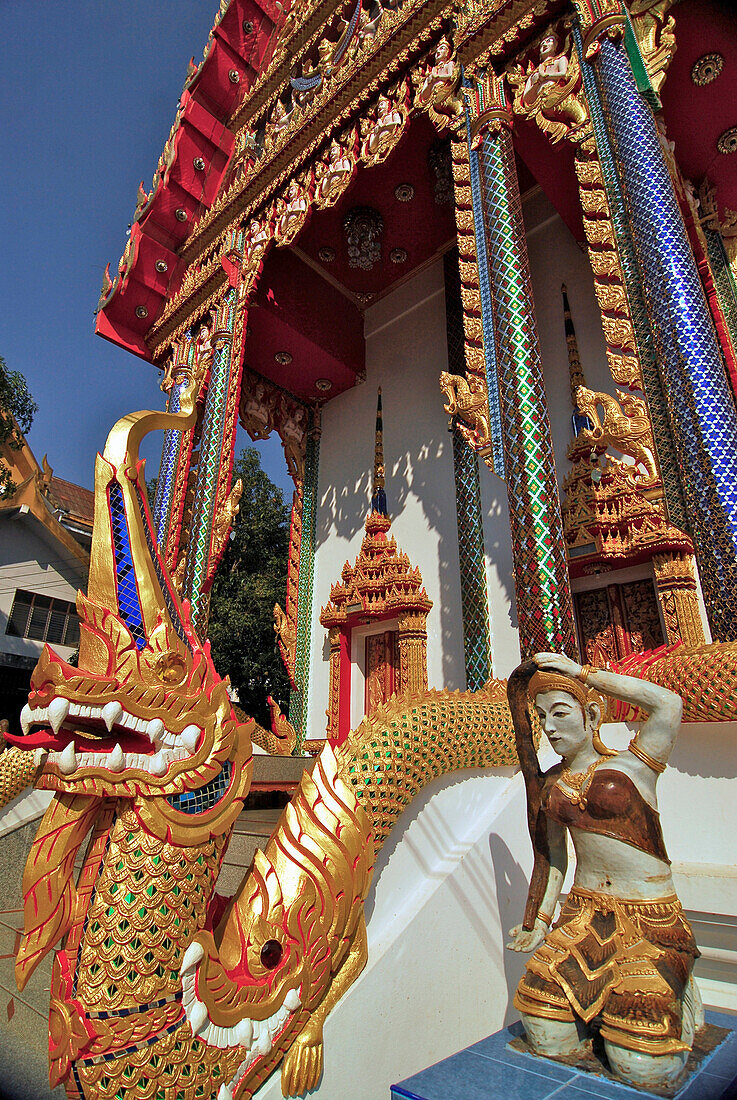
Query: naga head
{"points": [[144, 713]]}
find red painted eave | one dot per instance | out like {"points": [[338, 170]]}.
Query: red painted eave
{"points": [[241, 43]]}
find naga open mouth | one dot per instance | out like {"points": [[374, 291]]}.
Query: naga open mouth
{"points": [[79, 735]]}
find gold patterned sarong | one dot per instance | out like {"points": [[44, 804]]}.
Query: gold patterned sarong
{"points": [[622, 962]]}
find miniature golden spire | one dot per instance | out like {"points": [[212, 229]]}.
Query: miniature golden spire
{"points": [[378, 497]]}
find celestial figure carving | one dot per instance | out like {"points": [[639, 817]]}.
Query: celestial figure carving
{"points": [[333, 175], [468, 404], [549, 91], [552, 67], [382, 133], [437, 94], [621, 952], [625, 426], [291, 213]]}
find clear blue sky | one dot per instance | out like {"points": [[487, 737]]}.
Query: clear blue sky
{"points": [[89, 92]]}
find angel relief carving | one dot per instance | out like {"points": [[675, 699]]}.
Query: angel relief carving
{"points": [[438, 85], [333, 174], [385, 125], [549, 91], [292, 211]]}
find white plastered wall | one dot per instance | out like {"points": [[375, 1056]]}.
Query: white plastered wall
{"points": [[30, 559], [406, 349]]}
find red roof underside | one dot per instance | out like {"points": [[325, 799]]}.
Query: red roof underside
{"points": [[696, 116]]}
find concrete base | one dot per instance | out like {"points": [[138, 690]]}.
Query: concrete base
{"points": [[493, 1067]]}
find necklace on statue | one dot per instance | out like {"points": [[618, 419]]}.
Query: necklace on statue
{"points": [[578, 783]]}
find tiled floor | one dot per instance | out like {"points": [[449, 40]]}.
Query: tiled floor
{"points": [[492, 1068]]}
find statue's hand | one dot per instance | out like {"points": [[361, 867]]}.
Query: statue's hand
{"points": [[527, 940], [558, 662]]}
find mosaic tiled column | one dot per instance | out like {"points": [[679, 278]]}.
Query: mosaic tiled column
{"points": [[474, 597], [699, 402], [173, 442], [298, 699], [664, 444], [216, 455], [544, 604]]}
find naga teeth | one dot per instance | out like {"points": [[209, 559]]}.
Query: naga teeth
{"points": [[224, 1093], [116, 760], [39, 757], [194, 954], [158, 764], [112, 712], [68, 760], [292, 1001], [189, 738], [244, 1032], [154, 730], [197, 1017], [263, 1043], [26, 718], [58, 710]]}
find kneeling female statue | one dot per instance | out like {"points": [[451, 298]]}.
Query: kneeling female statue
{"points": [[620, 956]]}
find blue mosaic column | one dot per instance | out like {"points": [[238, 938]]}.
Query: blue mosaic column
{"points": [[544, 603], [168, 466], [664, 445], [699, 403]]}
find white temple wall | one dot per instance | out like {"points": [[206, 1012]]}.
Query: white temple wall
{"points": [[406, 349]]}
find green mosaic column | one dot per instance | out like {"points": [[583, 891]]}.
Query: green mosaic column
{"points": [[298, 699], [474, 595], [544, 603], [215, 451]]}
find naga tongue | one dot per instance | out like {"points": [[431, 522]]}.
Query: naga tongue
{"points": [[41, 738]]}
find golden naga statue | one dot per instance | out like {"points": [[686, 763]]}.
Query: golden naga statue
{"points": [[626, 427], [156, 977], [467, 404], [621, 951]]}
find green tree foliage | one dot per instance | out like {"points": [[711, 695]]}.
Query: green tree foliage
{"points": [[251, 578], [17, 409]]}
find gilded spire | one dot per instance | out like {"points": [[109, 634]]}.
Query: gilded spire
{"points": [[378, 496]]}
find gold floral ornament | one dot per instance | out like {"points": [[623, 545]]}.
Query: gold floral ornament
{"points": [[466, 400], [381, 131], [437, 87], [335, 172], [625, 426], [656, 36], [550, 91]]}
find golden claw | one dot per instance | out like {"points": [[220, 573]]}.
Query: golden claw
{"points": [[302, 1066]]}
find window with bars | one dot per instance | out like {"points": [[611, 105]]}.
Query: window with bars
{"points": [[44, 619]]}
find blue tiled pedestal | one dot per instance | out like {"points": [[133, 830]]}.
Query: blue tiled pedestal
{"points": [[492, 1068]]}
